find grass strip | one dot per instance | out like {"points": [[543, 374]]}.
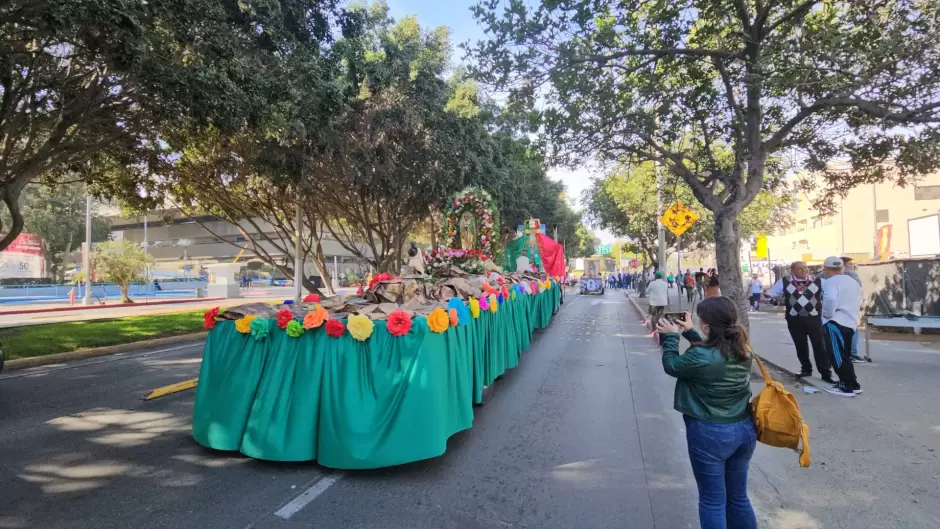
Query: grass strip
{"points": [[52, 338]]}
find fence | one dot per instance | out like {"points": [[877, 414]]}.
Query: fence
{"points": [[892, 287], [51, 293]]}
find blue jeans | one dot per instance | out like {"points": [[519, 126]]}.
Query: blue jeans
{"points": [[720, 454], [855, 343]]}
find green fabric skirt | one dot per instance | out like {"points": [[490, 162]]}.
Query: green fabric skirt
{"points": [[357, 405]]}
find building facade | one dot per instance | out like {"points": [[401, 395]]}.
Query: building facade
{"points": [[181, 244], [870, 223]]}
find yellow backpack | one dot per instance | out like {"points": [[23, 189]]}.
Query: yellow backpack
{"points": [[777, 417]]}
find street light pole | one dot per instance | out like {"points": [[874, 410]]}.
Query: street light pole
{"points": [[298, 256], [87, 257]]}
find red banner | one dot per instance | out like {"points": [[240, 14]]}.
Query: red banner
{"points": [[26, 243], [884, 241]]}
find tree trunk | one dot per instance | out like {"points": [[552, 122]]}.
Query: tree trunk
{"points": [[728, 255], [433, 228], [125, 294]]}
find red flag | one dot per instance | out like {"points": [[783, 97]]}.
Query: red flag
{"points": [[553, 255]]}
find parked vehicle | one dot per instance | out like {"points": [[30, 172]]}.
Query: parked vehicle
{"points": [[592, 285]]}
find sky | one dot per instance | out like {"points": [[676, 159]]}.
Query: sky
{"points": [[456, 15]]}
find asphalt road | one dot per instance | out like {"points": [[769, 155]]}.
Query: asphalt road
{"points": [[580, 435]]}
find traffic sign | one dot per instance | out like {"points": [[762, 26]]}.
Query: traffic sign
{"points": [[678, 218], [603, 249], [760, 246]]}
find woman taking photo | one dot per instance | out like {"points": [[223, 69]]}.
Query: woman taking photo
{"points": [[713, 393]]}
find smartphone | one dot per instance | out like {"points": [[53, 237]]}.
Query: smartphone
{"points": [[674, 317]]}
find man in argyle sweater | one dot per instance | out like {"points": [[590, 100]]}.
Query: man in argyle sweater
{"points": [[802, 297]]}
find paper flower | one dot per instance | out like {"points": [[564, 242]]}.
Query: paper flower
{"points": [[208, 319], [244, 325], [500, 299], [312, 298], [474, 308], [283, 318], [438, 320], [452, 316], [463, 313], [494, 304], [294, 329], [360, 327], [315, 318], [335, 328], [505, 291], [513, 295], [484, 303], [398, 323], [260, 327]]}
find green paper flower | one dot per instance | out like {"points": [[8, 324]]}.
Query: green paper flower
{"points": [[294, 329], [260, 327]]}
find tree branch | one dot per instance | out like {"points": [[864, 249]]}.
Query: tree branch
{"points": [[800, 10]]}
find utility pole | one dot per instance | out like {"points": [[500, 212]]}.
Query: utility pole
{"points": [[87, 257], [298, 255], [146, 248]]}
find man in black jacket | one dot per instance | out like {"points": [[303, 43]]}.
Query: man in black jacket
{"points": [[802, 297]]}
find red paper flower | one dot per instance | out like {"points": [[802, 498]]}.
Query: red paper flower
{"points": [[209, 318], [505, 292], [399, 323], [283, 318], [312, 298], [335, 328]]}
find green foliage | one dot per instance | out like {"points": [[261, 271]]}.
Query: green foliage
{"points": [[57, 213], [91, 87], [625, 204], [685, 81], [121, 263]]}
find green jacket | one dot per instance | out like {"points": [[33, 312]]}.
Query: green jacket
{"points": [[708, 387]]}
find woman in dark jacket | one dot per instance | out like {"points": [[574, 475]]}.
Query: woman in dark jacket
{"points": [[713, 393]]}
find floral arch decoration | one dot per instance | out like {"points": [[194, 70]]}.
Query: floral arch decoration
{"points": [[480, 204]]}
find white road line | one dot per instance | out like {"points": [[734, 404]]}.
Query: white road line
{"points": [[307, 496]]}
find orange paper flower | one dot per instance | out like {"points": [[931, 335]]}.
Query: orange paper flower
{"points": [[315, 318], [438, 320], [452, 314]]}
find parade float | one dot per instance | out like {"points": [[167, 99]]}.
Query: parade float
{"points": [[379, 379]]}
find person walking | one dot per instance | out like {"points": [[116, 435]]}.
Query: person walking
{"points": [[689, 281], [713, 393], [701, 278], [842, 300], [658, 293], [672, 281], [755, 288], [802, 303]]}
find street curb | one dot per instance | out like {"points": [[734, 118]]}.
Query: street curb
{"points": [[36, 361], [115, 306], [804, 381]]}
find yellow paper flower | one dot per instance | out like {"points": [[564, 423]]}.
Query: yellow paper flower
{"points": [[474, 307], [360, 327], [438, 320], [494, 303], [244, 325]]}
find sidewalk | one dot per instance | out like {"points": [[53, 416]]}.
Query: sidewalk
{"points": [[117, 310], [876, 457]]}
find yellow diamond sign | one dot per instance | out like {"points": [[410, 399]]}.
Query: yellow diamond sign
{"points": [[678, 218]]}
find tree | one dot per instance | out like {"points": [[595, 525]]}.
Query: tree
{"points": [[625, 204], [86, 87], [679, 82], [121, 263], [57, 214]]}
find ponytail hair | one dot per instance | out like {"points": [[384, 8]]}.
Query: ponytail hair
{"points": [[725, 331]]}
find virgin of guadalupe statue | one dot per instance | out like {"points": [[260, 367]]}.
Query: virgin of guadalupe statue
{"points": [[468, 231]]}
